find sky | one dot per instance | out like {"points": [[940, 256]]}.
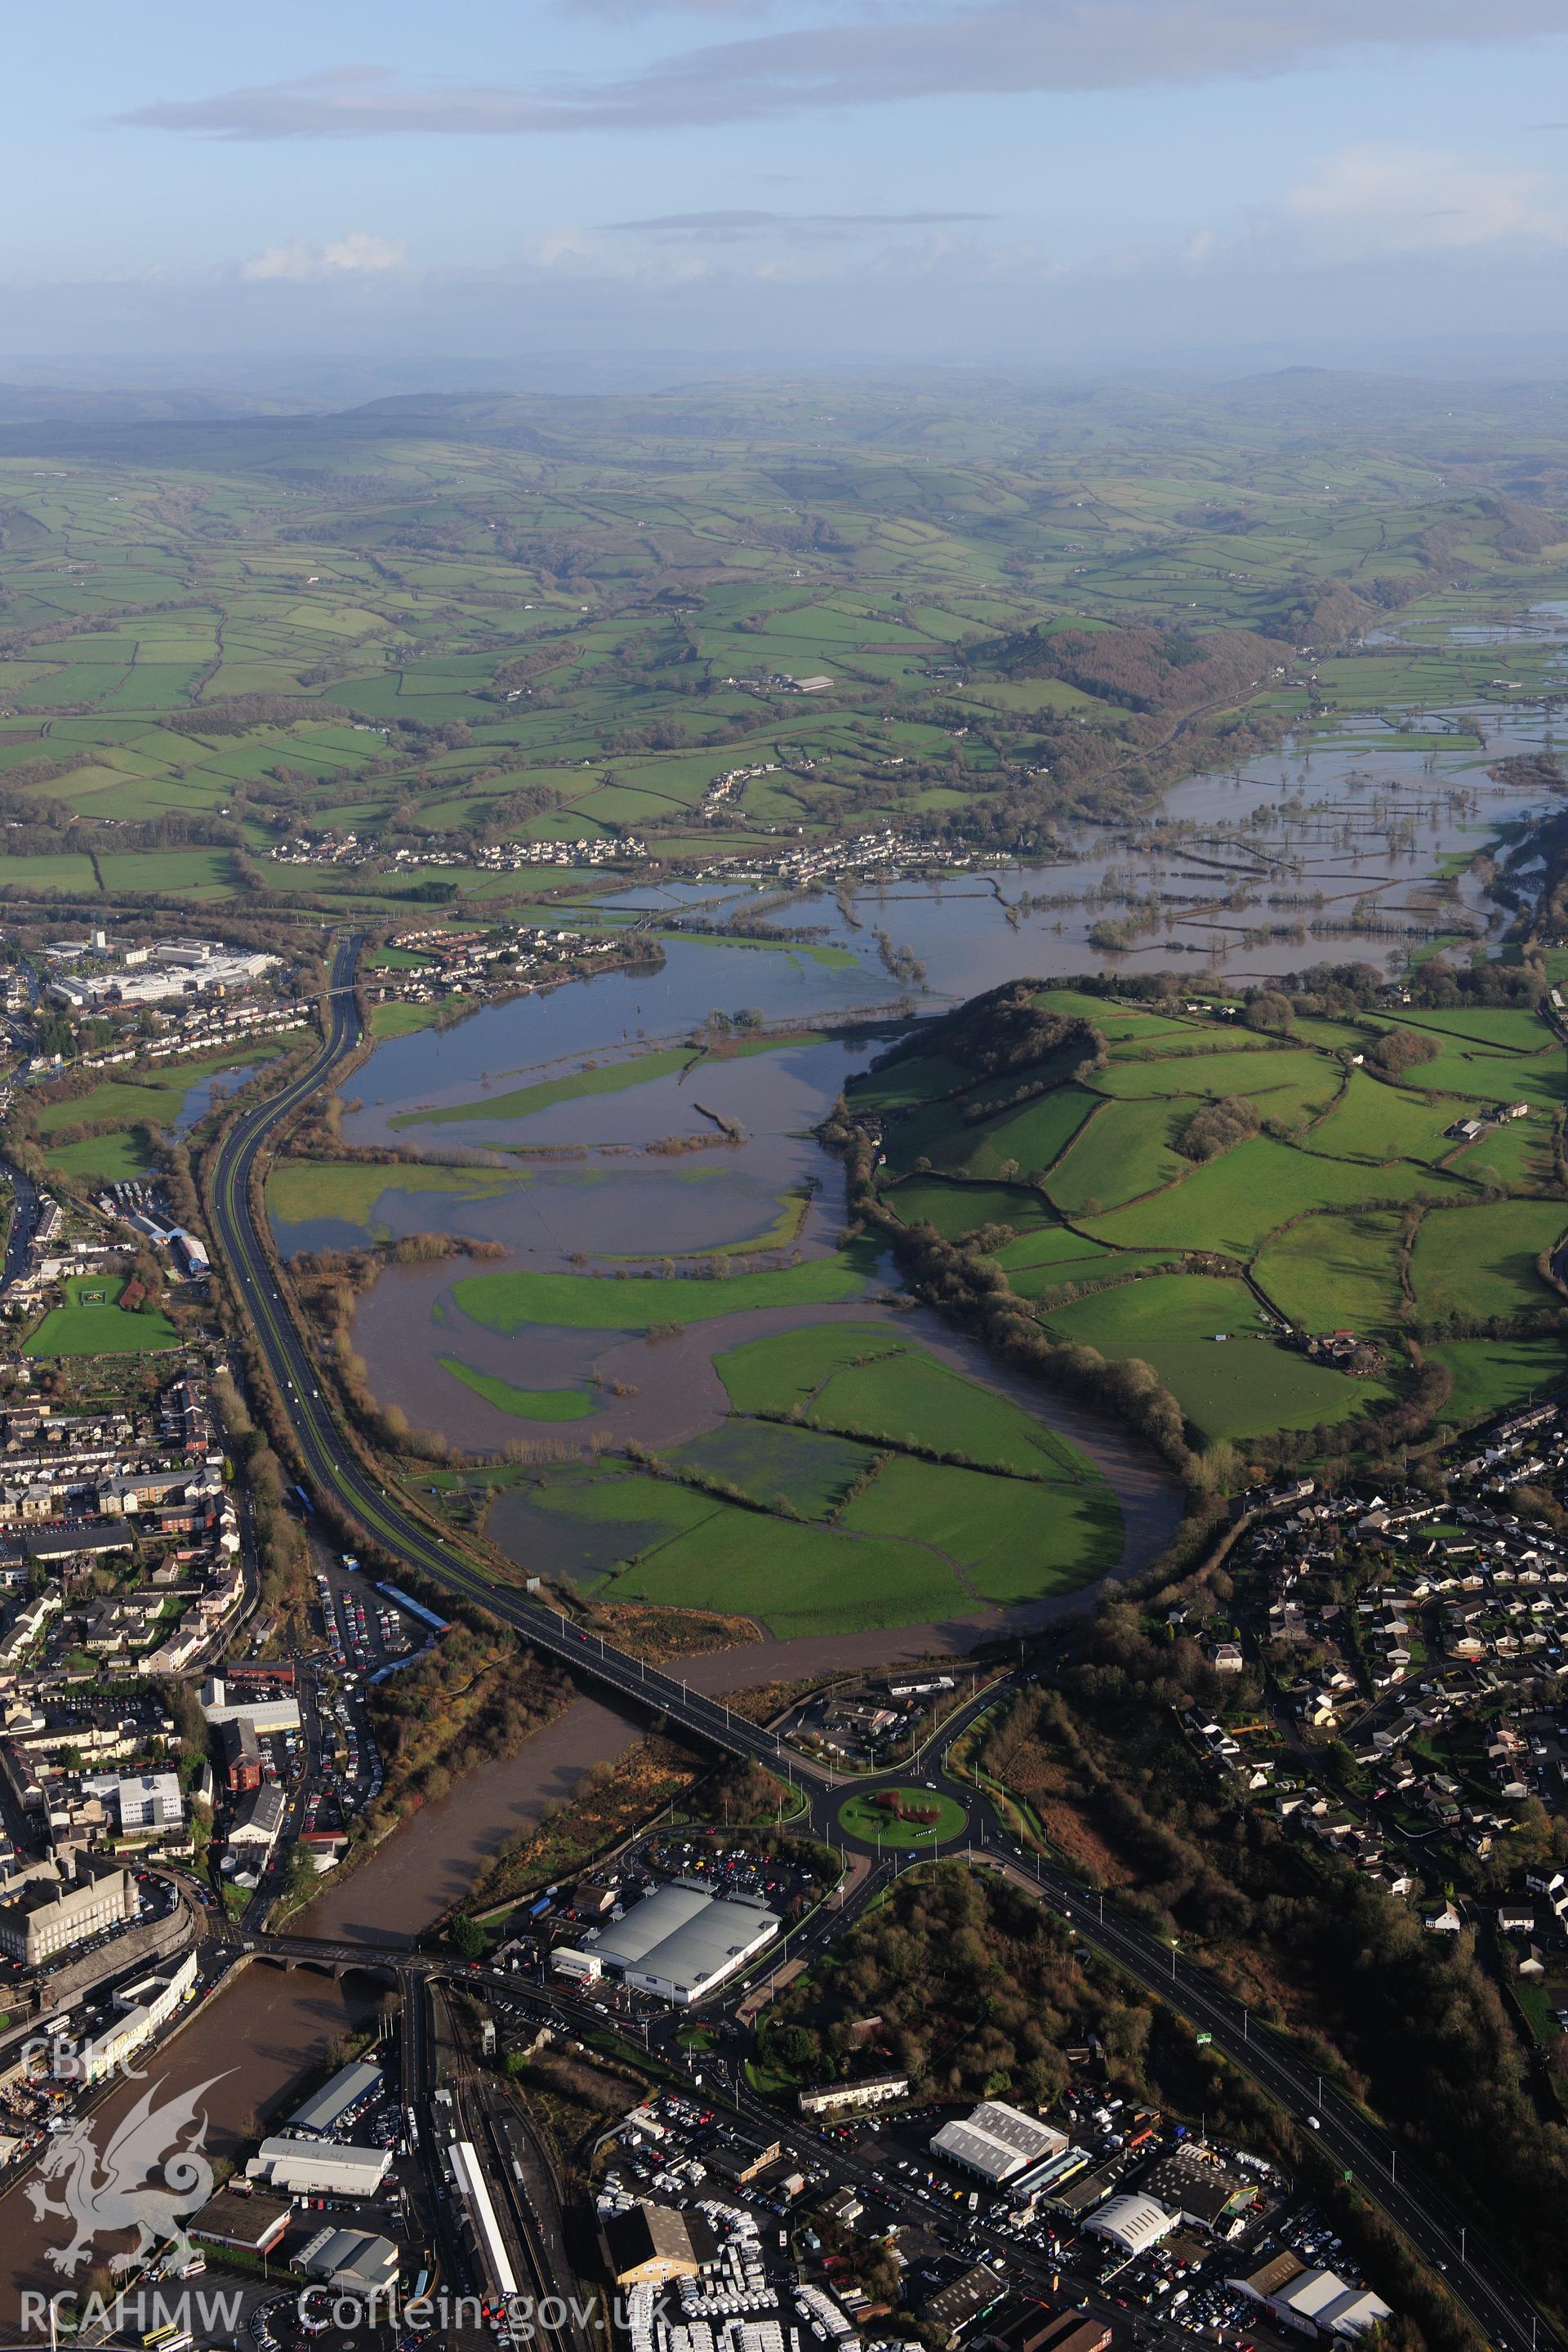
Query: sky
{"points": [[696, 184]]}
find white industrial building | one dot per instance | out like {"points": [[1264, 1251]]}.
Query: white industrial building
{"points": [[681, 1940], [143, 2008], [1314, 2303], [279, 1714], [1131, 2223], [490, 2247], [997, 2141], [168, 968], [317, 2167]]}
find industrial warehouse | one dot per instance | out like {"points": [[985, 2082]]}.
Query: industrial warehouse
{"points": [[998, 2141], [678, 1943]]}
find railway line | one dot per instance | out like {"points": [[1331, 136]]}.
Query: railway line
{"points": [[1475, 2272]]}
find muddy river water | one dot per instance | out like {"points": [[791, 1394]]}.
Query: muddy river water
{"points": [[247, 2051], [1362, 821]]}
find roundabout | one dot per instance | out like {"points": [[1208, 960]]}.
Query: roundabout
{"points": [[923, 1818]]}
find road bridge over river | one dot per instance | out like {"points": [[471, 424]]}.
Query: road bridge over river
{"points": [[1368, 2155]]}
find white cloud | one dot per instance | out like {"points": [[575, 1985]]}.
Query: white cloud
{"points": [[301, 259], [1378, 200]]}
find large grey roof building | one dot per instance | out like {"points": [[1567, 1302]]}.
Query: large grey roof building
{"points": [[680, 1941], [1133, 2223], [997, 2141], [314, 2167], [348, 2088], [353, 2262]]}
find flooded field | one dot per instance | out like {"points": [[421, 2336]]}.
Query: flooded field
{"points": [[1335, 842], [1339, 847], [199, 1099]]}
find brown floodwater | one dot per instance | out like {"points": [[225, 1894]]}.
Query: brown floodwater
{"points": [[433, 1861], [254, 2042]]}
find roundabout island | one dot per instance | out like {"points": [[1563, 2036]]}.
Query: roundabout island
{"points": [[920, 1818]]}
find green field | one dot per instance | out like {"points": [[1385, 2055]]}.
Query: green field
{"points": [[1482, 1262], [1124, 1151], [1010, 1541], [1338, 1272], [1204, 1337], [606, 1078], [523, 1404], [506, 1302], [1490, 1375], [880, 1825], [1034, 1135], [1160, 1307], [396, 1020], [103, 1159], [1052, 1246], [868, 1381], [1377, 1123], [299, 1191], [783, 1373], [910, 1399], [91, 1322], [1198, 1074], [955, 1209]]}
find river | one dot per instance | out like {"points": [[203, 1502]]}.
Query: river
{"points": [[1362, 819], [254, 2044]]}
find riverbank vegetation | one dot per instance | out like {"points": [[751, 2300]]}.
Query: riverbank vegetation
{"points": [[472, 1699]]}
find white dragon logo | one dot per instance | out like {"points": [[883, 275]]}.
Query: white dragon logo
{"points": [[129, 2195]]}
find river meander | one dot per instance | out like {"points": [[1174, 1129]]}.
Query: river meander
{"points": [[1350, 833], [1338, 837]]}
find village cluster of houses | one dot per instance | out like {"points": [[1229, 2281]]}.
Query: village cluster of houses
{"points": [[1439, 1675], [827, 861], [477, 963], [78, 1491], [480, 857], [201, 1032], [722, 789]]}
